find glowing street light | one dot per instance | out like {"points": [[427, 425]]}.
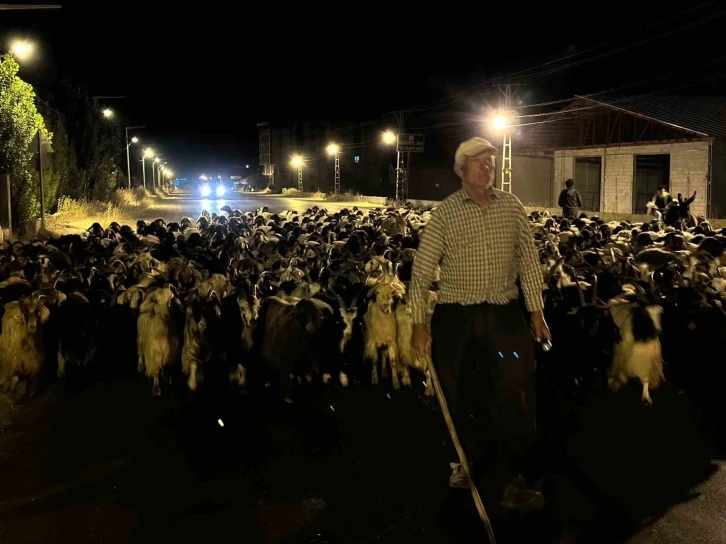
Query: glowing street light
{"points": [[389, 137], [148, 154], [499, 122], [108, 113], [22, 50], [134, 140], [333, 150], [297, 161]]}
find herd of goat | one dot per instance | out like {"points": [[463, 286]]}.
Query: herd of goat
{"points": [[260, 299]]}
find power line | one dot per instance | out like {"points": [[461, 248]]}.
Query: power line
{"points": [[444, 101]]}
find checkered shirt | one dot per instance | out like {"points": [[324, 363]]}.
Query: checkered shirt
{"points": [[481, 252]]}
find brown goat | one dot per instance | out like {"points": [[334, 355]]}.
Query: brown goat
{"points": [[158, 337], [22, 350]]}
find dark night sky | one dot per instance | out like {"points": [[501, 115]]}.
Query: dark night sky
{"points": [[201, 79]]}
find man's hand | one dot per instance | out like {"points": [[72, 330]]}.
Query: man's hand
{"points": [[540, 328], [421, 342]]}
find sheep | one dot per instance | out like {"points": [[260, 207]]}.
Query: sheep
{"points": [[157, 335], [380, 332], [22, 349], [638, 353]]}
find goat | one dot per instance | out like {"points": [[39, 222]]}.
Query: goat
{"points": [[380, 332], [404, 341], [290, 341], [638, 353], [158, 338], [22, 349]]}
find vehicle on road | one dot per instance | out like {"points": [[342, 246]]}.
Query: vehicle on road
{"points": [[214, 189]]}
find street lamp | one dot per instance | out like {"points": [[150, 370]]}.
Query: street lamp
{"points": [[108, 113], [389, 138], [148, 154], [502, 122], [334, 151], [297, 161], [134, 140], [22, 50]]}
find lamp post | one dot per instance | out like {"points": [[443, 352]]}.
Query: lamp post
{"points": [[298, 162], [134, 140], [389, 138], [501, 123], [334, 151], [153, 176], [148, 154]]}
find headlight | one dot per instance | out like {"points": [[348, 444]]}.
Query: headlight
{"points": [[220, 190], [206, 190]]}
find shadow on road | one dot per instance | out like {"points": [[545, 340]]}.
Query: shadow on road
{"points": [[111, 463]]}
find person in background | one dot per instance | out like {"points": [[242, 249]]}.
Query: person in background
{"points": [[570, 200], [480, 343], [660, 201]]}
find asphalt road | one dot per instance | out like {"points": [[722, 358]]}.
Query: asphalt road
{"points": [[95, 458], [188, 203], [104, 461]]}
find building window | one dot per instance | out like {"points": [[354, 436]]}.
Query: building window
{"points": [[356, 159]]}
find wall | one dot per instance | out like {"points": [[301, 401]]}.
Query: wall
{"points": [[688, 172], [531, 179], [718, 179]]}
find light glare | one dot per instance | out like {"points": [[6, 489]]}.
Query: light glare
{"points": [[332, 149], [108, 113], [499, 122], [22, 50], [388, 137], [297, 161], [134, 140]]}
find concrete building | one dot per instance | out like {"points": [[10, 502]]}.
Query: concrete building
{"points": [[620, 149]]}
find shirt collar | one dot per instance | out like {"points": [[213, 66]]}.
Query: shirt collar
{"points": [[492, 193]]}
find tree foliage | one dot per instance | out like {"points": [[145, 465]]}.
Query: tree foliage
{"points": [[19, 124]]}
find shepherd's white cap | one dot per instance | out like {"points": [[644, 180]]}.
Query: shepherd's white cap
{"points": [[470, 148]]}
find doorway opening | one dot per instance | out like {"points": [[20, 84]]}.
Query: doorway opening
{"points": [[651, 171], [588, 175]]}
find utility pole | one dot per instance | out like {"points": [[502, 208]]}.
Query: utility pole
{"points": [[508, 92], [337, 174], [128, 154], [400, 181]]}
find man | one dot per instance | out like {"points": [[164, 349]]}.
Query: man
{"points": [[570, 200], [483, 348], [660, 201]]}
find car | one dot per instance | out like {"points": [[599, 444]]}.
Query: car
{"points": [[218, 189]]}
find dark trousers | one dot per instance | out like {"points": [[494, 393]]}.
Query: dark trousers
{"points": [[570, 213], [484, 356]]}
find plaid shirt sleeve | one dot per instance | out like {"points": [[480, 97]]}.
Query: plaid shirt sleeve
{"points": [[428, 256], [528, 267]]}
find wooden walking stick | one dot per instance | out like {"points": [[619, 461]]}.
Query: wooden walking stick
{"points": [[460, 451]]}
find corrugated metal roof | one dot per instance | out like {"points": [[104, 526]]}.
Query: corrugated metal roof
{"points": [[701, 115]]}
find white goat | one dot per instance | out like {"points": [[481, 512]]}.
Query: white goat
{"points": [[158, 338], [380, 332], [22, 350], [638, 353]]}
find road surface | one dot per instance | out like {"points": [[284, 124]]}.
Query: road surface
{"points": [[188, 203]]}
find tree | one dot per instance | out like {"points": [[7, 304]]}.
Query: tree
{"points": [[19, 124]]}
